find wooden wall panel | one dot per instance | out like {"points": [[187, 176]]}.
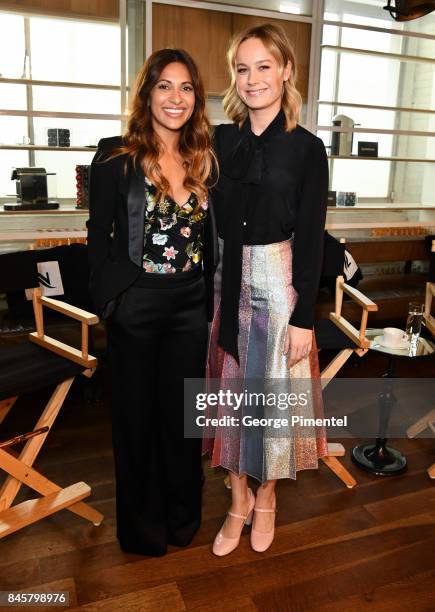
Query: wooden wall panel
{"points": [[299, 35], [204, 34], [99, 9]]}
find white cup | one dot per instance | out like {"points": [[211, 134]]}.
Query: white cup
{"points": [[394, 337]]}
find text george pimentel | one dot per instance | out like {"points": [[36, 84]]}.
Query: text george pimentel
{"points": [[274, 422]]}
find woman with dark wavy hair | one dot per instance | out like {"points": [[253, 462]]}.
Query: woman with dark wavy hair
{"points": [[152, 254]]}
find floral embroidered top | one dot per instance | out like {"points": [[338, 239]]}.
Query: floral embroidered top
{"points": [[173, 234]]}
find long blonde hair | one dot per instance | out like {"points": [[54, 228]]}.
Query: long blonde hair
{"points": [[141, 142], [275, 40]]}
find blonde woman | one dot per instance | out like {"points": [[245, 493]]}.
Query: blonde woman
{"points": [[270, 205]]}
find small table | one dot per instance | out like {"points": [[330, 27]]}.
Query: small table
{"points": [[378, 458]]}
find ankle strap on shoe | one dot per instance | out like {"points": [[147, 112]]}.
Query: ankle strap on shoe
{"points": [[265, 509], [240, 516]]}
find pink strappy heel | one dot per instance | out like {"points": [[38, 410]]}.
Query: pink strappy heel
{"points": [[260, 540], [223, 545]]}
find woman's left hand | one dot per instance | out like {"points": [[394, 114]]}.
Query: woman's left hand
{"points": [[298, 343]]}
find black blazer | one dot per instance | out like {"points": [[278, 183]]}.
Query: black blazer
{"points": [[116, 228]]}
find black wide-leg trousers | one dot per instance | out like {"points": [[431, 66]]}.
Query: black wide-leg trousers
{"points": [[157, 337]]}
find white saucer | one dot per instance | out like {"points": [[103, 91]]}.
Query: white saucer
{"points": [[404, 344]]}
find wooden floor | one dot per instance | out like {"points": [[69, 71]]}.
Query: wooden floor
{"points": [[370, 548]]}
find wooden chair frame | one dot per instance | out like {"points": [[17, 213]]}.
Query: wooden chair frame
{"points": [[358, 336], [19, 467]]}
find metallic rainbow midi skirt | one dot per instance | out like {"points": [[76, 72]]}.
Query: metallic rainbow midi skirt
{"points": [[267, 299]]}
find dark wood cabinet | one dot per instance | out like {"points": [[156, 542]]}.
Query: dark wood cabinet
{"points": [[206, 36]]}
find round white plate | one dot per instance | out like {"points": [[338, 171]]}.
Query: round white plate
{"points": [[404, 344]]}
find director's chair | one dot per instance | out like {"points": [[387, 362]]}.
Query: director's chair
{"points": [[39, 362], [338, 333]]}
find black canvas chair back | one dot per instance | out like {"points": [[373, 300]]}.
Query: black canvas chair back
{"points": [[72, 261], [19, 271], [328, 334], [337, 261]]}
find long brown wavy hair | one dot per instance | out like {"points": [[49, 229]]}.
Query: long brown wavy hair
{"points": [[275, 40], [142, 144]]}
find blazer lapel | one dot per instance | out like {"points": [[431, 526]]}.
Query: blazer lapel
{"points": [[136, 214]]}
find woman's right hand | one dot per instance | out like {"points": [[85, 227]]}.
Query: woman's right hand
{"points": [[297, 345]]}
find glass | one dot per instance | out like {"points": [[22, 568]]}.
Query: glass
{"points": [[70, 99], [295, 7], [79, 48], [413, 323], [13, 130], [13, 97], [63, 164], [12, 47], [371, 12]]}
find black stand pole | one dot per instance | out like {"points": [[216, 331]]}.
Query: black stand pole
{"points": [[379, 458]]}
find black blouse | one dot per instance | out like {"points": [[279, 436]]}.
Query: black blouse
{"points": [[270, 187]]}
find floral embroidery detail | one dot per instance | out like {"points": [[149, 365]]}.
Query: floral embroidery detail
{"points": [[160, 239], [148, 266], [204, 204], [187, 207], [166, 268], [170, 252], [168, 222], [189, 249], [163, 207], [186, 232], [151, 201]]}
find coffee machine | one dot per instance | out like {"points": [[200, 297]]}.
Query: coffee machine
{"points": [[32, 194], [341, 142]]}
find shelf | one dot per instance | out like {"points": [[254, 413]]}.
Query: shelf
{"points": [[358, 130], [381, 225], [395, 56], [394, 159], [396, 109], [62, 210], [359, 26], [386, 207], [59, 84], [45, 148], [42, 235], [60, 115]]}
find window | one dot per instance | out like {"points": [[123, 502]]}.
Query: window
{"points": [[385, 82], [60, 53]]}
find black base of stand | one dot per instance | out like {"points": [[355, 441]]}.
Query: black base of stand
{"points": [[379, 459], [39, 206]]}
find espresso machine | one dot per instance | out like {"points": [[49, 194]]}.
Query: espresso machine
{"points": [[31, 186], [341, 142]]}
